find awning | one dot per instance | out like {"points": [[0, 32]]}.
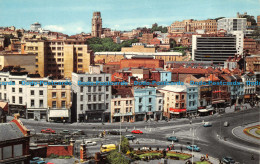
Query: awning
{"points": [[203, 110], [219, 101], [59, 113], [177, 110]]}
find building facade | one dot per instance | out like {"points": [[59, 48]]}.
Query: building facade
{"points": [[91, 103], [232, 24]]}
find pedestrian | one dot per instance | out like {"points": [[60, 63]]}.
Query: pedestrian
{"points": [[181, 148], [207, 156], [252, 157]]}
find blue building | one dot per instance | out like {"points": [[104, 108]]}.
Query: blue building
{"points": [[192, 98], [165, 76], [145, 103]]}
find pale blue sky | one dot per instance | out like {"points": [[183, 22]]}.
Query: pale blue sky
{"points": [[74, 16]]}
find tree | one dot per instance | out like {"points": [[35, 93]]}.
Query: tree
{"points": [[251, 19], [124, 145], [7, 40], [115, 157], [172, 43]]}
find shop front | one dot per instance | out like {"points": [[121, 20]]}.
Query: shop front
{"points": [[177, 113]]}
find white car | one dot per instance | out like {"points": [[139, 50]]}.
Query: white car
{"points": [[90, 143]]}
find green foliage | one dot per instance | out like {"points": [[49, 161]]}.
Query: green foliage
{"points": [[61, 157], [256, 34], [125, 146], [7, 40], [67, 157], [172, 43], [107, 44], [115, 157], [159, 28], [250, 18], [53, 156]]}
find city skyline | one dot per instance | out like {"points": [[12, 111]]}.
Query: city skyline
{"points": [[115, 14]]}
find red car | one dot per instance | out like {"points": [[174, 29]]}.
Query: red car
{"points": [[137, 132], [49, 131]]}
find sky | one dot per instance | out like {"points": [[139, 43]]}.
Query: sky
{"points": [[74, 16]]}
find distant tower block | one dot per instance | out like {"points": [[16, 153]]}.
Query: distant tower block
{"points": [[96, 24]]}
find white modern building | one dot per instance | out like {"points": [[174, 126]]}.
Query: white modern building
{"points": [[91, 102], [35, 26], [232, 24]]}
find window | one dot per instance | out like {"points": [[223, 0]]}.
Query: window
{"points": [[81, 97], [63, 104], [107, 78], [117, 110], [32, 103], [89, 89], [150, 93], [89, 78], [81, 106], [99, 97], [160, 108], [63, 86], [189, 96], [41, 103], [106, 105], [94, 98], [150, 100], [4, 87], [20, 82], [140, 100], [182, 97], [149, 108], [94, 78], [182, 105], [53, 94], [54, 104], [54, 86], [89, 106], [118, 102], [107, 88], [94, 106], [140, 108], [160, 101], [41, 92], [126, 102], [177, 105], [32, 92], [99, 79], [81, 79], [177, 97], [79, 54], [20, 90], [80, 48], [13, 98], [13, 89], [81, 89], [107, 96], [94, 88], [130, 102], [99, 88], [89, 97], [63, 94]]}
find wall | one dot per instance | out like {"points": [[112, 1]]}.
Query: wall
{"points": [[62, 150]]}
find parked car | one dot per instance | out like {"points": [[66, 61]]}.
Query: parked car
{"points": [[130, 137], [193, 147], [226, 124], [228, 160], [107, 148], [65, 132], [173, 138], [137, 132], [78, 132], [114, 132], [90, 143], [37, 160], [48, 131], [207, 124]]}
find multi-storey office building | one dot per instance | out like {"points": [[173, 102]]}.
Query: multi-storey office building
{"points": [[214, 48], [59, 58], [91, 103], [232, 24], [249, 81]]}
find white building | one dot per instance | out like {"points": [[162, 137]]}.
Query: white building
{"points": [[249, 80], [91, 103], [35, 26], [232, 24], [36, 98]]}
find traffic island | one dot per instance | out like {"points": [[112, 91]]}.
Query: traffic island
{"points": [[253, 131]]}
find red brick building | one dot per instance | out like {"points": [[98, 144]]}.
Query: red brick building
{"points": [[141, 62], [155, 42]]}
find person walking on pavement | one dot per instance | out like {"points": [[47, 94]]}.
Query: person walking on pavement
{"points": [[181, 148], [207, 156]]}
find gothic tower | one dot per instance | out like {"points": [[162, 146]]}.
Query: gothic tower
{"points": [[96, 24]]}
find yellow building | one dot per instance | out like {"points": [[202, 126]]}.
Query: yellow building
{"points": [[138, 47], [26, 61], [59, 100], [122, 105], [107, 57], [60, 58]]}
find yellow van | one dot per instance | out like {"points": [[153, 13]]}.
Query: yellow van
{"points": [[107, 148]]}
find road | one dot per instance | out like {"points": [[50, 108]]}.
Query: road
{"points": [[155, 134]]}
